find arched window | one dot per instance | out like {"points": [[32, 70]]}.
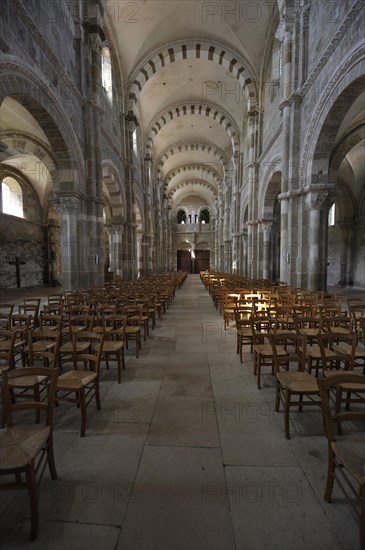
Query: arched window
{"points": [[332, 215], [181, 216], [11, 197], [106, 73], [135, 141], [204, 216], [276, 60]]}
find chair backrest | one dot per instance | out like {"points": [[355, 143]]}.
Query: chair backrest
{"points": [[119, 322], [330, 340], [46, 335], [45, 375], [333, 415], [308, 322], [7, 340], [51, 321], [295, 346], [21, 323], [91, 357]]}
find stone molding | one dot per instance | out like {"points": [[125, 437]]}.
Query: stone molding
{"points": [[350, 62], [350, 17], [271, 142], [16, 69]]}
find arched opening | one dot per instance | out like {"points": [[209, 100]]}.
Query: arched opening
{"points": [[11, 197], [272, 216], [204, 216], [338, 162], [181, 217]]}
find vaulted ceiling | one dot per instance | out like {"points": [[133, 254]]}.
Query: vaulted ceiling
{"points": [[190, 71]]}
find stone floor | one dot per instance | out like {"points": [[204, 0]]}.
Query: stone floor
{"points": [[186, 454]]}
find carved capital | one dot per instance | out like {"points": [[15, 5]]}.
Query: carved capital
{"points": [[315, 199], [68, 205]]}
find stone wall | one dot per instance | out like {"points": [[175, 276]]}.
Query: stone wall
{"points": [[27, 241]]}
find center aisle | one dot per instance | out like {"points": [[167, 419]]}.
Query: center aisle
{"points": [[186, 454], [216, 471]]}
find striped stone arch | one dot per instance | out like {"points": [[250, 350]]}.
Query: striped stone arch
{"points": [[193, 49], [25, 87], [26, 143], [190, 146], [199, 109], [205, 170], [115, 189], [196, 183]]}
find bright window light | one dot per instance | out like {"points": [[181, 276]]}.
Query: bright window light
{"points": [[12, 197], [332, 215]]}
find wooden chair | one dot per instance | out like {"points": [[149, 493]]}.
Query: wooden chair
{"points": [[290, 384], [26, 448], [31, 307], [21, 325], [42, 351], [113, 345], [7, 341], [80, 386], [44, 345], [346, 452], [76, 324], [262, 350], [333, 354], [133, 326], [6, 311], [243, 329]]}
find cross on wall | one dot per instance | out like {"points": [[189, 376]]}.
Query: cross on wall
{"points": [[17, 261]]}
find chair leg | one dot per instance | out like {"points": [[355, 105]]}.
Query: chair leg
{"points": [[286, 412], [119, 366], [34, 503], [277, 396], [330, 476], [97, 394], [123, 358], [362, 517], [258, 372], [51, 462]]}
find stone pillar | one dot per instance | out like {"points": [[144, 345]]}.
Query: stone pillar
{"points": [[245, 254], [345, 226], [252, 194], [116, 248], [69, 210], [266, 229], [315, 200], [284, 244]]}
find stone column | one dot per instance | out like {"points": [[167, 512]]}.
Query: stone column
{"points": [[266, 230], [69, 209], [244, 254], [344, 252], [284, 215], [252, 194], [116, 248], [285, 106], [315, 200]]}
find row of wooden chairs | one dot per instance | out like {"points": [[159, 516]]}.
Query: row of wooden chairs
{"points": [[34, 390], [311, 335]]}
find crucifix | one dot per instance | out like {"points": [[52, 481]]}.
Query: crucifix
{"points": [[17, 262]]}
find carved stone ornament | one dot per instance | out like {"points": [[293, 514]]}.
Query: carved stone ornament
{"points": [[315, 199], [69, 205]]}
